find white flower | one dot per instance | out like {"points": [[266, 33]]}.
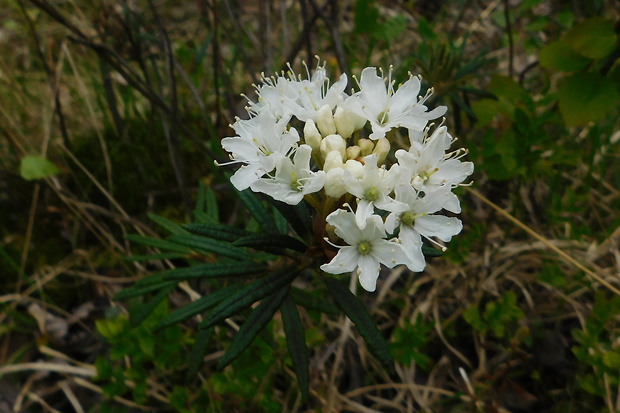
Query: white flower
{"points": [[417, 221], [386, 109], [292, 180], [372, 189], [367, 248], [260, 145], [428, 165]]}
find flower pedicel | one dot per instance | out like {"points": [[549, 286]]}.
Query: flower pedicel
{"points": [[306, 139]]}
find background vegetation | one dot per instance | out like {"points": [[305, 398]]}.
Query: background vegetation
{"points": [[112, 111]]}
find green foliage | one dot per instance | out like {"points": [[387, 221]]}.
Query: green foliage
{"points": [[409, 343], [35, 167], [497, 317], [597, 346]]}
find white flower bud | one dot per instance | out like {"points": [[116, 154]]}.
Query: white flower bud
{"points": [[325, 120], [332, 160], [334, 186], [366, 146], [312, 135], [382, 148], [355, 167], [333, 143], [344, 122], [353, 152]]}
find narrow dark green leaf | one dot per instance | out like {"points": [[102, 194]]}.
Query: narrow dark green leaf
{"points": [[216, 231], [313, 302], [157, 243], [267, 241], [170, 226], [429, 251], [281, 222], [202, 217], [146, 309], [214, 270], [212, 209], [260, 213], [199, 350], [156, 257], [200, 305], [136, 291], [253, 292], [296, 344], [218, 247], [256, 321], [298, 216], [359, 315]]}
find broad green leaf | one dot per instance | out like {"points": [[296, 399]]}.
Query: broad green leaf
{"points": [[37, 167], [296, 344], [485, 110], [168, 225], [260, 213], [200, 305], [256, 321], [313, 301], [146, 309], [214, 270], [359, 315], [560, 56], [586, 97], [611, 359], [199, 350], [263, 241], [594, 38], [251, 293], [216, 231], [218, 247]]}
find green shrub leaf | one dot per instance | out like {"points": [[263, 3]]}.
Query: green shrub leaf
{"points": [[594, 38], [165, 223], [217, 247], [313, 302], [37, 167], [256, 321], [268, 241], [296, 344], [195, 357], [586, 97], [360, 316], [200, 305], [216, 231], [560, 56], [214, 270], [258, 210], [253, 292]]}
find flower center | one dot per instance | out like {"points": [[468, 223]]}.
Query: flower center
{"points": [[295, 184], [364, 247], [408, 218], [383, 117], [371, 194]]}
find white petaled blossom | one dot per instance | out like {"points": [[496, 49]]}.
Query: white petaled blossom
{"points": [[293, 179], [367, 248], [307, 139], [386, 109], [417, 221], [372, 189]]}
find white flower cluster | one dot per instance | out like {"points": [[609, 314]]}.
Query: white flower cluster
{"points": [[305, 138]]}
